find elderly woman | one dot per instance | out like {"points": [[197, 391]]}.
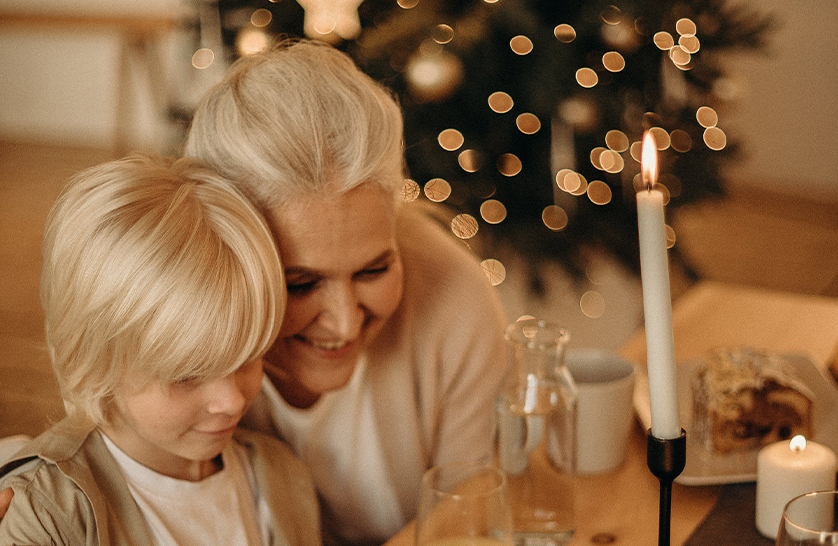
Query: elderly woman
{"points": [[391, 349]]}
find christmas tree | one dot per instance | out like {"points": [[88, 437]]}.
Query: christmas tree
{"points": [[525, 116]]}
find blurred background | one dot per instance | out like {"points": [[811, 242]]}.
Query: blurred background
{"points": [[522, 120]]}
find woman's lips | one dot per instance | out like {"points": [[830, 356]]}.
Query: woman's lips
{"points": [[327, 349]]}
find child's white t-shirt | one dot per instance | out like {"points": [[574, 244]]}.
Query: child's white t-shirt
{"points": [[224, 508]]}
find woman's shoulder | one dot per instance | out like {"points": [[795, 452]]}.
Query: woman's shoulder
{"points": [[434, 258], [444, 283]]}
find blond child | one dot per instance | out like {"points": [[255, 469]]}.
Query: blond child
{"points": [[162, 290]]}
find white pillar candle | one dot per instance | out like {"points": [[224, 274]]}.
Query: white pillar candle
{"points": [[785, 470], [657, 302]]}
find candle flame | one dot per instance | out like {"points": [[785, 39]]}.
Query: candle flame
{"points": [[649, 161], [798, 443]]}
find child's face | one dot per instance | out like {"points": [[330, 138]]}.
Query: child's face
{"points": [[177, 429]]}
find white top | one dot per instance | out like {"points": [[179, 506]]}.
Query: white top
{"points": [[431, 376], [220, 509], [339, 439]]}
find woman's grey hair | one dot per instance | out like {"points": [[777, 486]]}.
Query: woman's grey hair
{"points": [[297, 119], [154, 270]]}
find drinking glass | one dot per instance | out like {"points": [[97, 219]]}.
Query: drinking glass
{"points": [[810, 519], [463, 504]]}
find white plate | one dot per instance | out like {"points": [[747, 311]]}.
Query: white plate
{"points": [[704, 468]]}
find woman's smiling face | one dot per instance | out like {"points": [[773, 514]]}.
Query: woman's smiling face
{"points": [[344, 275]]}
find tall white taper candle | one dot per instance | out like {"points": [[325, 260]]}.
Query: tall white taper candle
{"points": [[657, 302]]}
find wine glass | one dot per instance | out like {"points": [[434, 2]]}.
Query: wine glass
{"points": [[464, 504], [810, 519]]}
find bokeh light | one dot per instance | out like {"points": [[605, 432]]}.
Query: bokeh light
{"points": [[596, 153], [521, 45], [410, 190], [450, 139], [691, 44], [261, 17], [250, 41], [664, 40], [568, 180], [442, 34], [564, 33], [706, 117], [616, 140], [509, 164], [679, 55], [685, 27], [592, 304], [681, 141], [554, 217], [470, 160], [599, 192], [494, 270], [662, 139], [670, 236], [586, 77], [464, 226], [611, 15], [672, 183], [493, 211], [528, 124], [579, 112], [500, 102], [582, 184], [433, 76], [715, 138], [437, 190], [636, 150], [203, 58], [611, 161], [613, 61]]}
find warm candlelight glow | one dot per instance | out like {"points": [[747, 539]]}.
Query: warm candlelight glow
{"points": [[649, 163], [798, 443]]}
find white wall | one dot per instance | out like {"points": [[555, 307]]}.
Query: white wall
{"points": [[787, 113], [60, 86], [59, 83]]}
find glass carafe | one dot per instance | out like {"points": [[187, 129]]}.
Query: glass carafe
{"points": [[536, 441]]}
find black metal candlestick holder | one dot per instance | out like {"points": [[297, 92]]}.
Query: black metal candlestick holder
{"points": [[666, 459]]}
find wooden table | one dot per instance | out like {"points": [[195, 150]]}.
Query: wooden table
{"points": [[622, 507]]}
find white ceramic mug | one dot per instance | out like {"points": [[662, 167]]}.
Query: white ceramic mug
{"points": [[605, 411]]}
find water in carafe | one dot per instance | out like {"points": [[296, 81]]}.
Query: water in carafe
{"points": [[536, 435]]}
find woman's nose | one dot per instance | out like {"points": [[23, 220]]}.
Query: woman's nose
{"points": [[225, 396], [342, 314]]}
